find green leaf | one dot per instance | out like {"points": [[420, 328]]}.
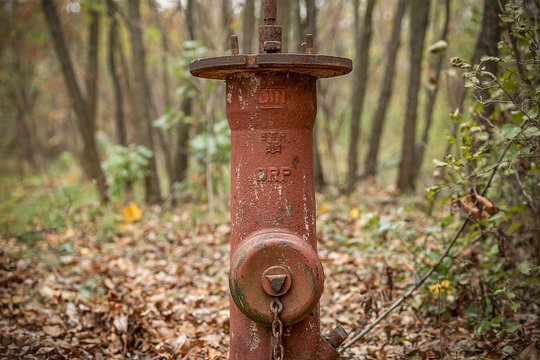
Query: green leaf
{"points": [[515, 306], [509, 350], [494, 250], [439, 164], [531, 131], [473, 311], [484, 325], [491, 58], [512, 327], [524, 268], [510, 131]]}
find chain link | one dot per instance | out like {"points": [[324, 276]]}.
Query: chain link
{"points": [[278, 352]]}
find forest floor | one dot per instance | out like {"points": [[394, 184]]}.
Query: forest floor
{"points": [[152, 284]]}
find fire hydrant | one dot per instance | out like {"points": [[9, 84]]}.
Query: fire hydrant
{"points": [[276, 278]]}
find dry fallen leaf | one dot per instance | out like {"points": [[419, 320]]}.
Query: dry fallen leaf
{"points": [[530, 353], [53, 330], [121, 323], [471, 209], [17, 299], [44, 350]]}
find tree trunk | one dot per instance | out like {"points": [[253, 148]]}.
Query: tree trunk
{"points": [[20, 88], [24, 138], [143, 101], [80, 107], [361, 60], [311, 28], [164, 54], [486, 45], [432, 96], [419, 20], [311, 18], [182, 137], [284, 19], [163, 143], [119, 119], [248, 26], [226, 19], [296, 25], [92, 73], [120, 126], [386, 91]]}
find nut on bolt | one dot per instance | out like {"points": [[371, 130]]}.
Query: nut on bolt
{"points": [[276, 280], [337, 336]]}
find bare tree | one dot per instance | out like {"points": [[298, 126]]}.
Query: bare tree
{"points": [[143, 100], [163, 143], [432, 94], [419, 20], [18, 89], [181, 158], [84, 108], [113, 44], [249, 26], [486, 45], [311, 28], [296, 26], [226, 19], [361, 66], [284, 19], [386, 91], [164, 53]]}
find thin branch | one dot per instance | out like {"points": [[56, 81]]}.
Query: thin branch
{"points": [[408, 293], [433, 269], [533, 121]]}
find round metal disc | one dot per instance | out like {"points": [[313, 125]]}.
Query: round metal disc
{"points": [[270, 250]]}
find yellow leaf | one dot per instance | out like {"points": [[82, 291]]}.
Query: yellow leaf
{"points": [[435, 289], [132, 213], [354, 213], [69, 232], [324, 208]]}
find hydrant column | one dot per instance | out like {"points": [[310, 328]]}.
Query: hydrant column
{"points": [[275, 277], [271, 116]]}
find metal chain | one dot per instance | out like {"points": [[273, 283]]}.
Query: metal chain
{"points": [[278, 352]]}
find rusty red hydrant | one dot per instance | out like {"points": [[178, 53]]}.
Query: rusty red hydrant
{"points": [[276, 277]]}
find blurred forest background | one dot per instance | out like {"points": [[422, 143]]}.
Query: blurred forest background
{"points": [[428, 150], [115, 73]]}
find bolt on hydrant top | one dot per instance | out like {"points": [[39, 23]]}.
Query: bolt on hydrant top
{"points": [[270, 58]]}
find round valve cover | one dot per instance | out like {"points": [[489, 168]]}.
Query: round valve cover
{"points": [[282, 257]]}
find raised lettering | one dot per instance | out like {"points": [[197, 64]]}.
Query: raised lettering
{"points": [[274, 97], [273, 174]]}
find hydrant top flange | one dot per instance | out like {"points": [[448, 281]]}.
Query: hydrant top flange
{"points": [[270, 58], [319, 66]]}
